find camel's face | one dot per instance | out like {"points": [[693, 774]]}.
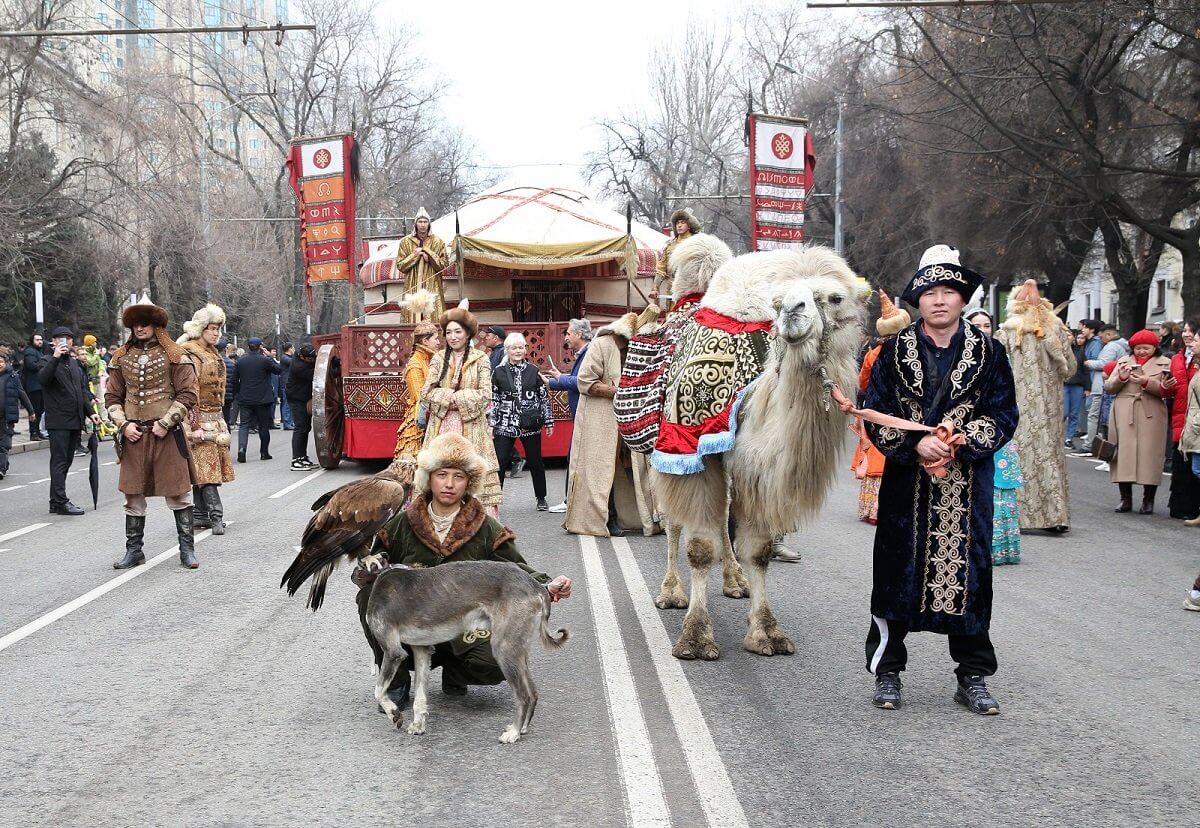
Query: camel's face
{"points": [[812, 307]]}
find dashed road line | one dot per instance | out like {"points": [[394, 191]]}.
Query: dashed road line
{"points": [[713, 785], [33, 527], [85, 599], [10, 488], [646, 803], [297, 484]]}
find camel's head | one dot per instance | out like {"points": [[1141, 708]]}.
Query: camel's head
{"points": [[822, 299]]}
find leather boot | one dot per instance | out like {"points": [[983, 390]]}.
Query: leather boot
{"points": [[1126, 504], [1148, 493], [200, 518], [187, 538], [779, 552], [216, 511], [135, 528]]}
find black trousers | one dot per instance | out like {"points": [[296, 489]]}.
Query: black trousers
{"points": [[886, 652], [302, 421], [39, 408], [62, 453], [230, 412], [5, 446], [1185, 488], [505, 453], [259, 415]]}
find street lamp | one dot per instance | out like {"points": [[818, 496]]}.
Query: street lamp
{"points": [[205, 139], [837, 183]]}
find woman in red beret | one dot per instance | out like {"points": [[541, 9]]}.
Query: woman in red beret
{"points": [[1138, 423]]}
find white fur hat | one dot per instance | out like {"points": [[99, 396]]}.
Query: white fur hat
{"points": [[450, 451], [208, 315], [421, 214]]}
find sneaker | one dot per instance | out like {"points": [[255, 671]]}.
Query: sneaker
{"points": [[973, 694], [301, 465], [558, 508], [1189, 603], [887, 691], [1103, 467], [541, 505], [517, 466], [1080, 453]]}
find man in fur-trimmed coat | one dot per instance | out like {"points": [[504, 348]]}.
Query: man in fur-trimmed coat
{"points": [[933, 541], [151, 390]]}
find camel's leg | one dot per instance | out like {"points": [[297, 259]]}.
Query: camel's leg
{"points": [[763, 635], [733, 580], [696, 640], [671, 592]]}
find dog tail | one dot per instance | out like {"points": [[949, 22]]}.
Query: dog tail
{"points": [[552, 640]]}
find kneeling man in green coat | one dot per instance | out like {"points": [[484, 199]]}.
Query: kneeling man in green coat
{"points": [[445, 523]]}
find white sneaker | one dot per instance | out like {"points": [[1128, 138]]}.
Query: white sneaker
{"points": [[558, 508], [1103, 467]]}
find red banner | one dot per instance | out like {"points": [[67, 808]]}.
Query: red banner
{"points": [[321, 174], [781, 175]]}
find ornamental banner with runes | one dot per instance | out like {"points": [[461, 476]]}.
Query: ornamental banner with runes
{"points": [[781, 175], [322, 172]]}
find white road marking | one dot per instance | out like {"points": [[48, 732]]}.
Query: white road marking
{"points": [[10, 488], [713, 786], [297, 484], [85, 599], [109, 463], [43, 480], [646, 803], [33, 527]]}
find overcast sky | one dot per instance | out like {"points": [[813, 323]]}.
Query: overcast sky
{"points": [[528, 78]]}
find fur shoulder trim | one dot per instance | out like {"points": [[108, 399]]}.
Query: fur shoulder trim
{"points": [[175, 352]]}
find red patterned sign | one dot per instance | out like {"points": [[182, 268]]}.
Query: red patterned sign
{"points": [[320, 173], [780, 180]]}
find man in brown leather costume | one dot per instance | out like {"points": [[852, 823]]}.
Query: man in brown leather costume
{"points": [[151, 388]]}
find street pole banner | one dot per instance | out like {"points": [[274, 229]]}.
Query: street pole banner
{"points": [[781, 174], [322, 172]]}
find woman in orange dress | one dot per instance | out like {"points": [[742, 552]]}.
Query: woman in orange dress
{"points": [[867, 464]]}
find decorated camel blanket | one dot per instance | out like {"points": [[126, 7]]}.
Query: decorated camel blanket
{"points": [[638, 405], [716, 356]]}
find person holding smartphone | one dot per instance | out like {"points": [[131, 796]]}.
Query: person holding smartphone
{"points": [[68, 406]]}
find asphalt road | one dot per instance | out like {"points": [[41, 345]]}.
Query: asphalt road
{"points": [[211, 698]]}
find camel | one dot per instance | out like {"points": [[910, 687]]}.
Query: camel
{"points": [[787, 437]]}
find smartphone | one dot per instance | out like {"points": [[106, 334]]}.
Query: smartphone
{"points": [[62, 340]]}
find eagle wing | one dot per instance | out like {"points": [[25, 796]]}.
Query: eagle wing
{"points": [[346, 521]]}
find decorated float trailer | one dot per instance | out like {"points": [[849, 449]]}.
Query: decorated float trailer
{"points": [[528, 258]]}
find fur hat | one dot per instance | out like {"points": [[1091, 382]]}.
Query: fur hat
{"points": [[940, 266], [421, 214], [892, 320], [208, 315], [1028, 312], [684, 214], [424, 329], [144, 312], [450, 451], [694, 261], [463, 317]]}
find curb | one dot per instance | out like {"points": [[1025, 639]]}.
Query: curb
{"points": [[28, 445]]}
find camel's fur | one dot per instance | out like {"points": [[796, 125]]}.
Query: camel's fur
{"points": [[786, 415]]}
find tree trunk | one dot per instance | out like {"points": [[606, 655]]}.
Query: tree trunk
{"points": [[1191, 277], [1131, 273]]}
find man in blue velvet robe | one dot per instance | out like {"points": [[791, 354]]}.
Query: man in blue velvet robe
{"points": [[933, 557]]}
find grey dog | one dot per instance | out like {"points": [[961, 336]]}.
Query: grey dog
{"points": [[424, 607]]}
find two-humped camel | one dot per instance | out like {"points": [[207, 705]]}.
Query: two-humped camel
{"points": [[787, 434]]}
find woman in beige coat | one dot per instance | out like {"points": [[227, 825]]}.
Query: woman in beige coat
{"points": [[1138, 422], [457, 393]]}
